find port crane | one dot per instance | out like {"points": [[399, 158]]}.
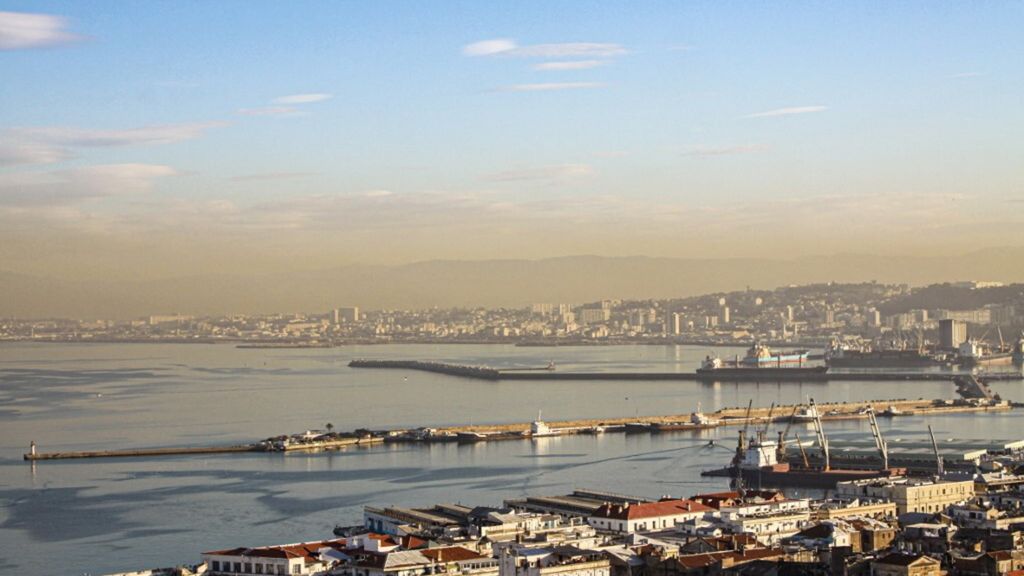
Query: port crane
{"points": [[940, 466], [880, 443], [803, 453], [822, 440], [781, 455], [737, 476]]}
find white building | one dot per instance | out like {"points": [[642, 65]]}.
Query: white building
{"points": [[629, 518], [560, 561], [911, 494], [768, 520]]}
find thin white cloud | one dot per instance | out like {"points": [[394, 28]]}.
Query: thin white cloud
{"points": [[710, 151], [560, 172], [21, 30], [31, 153], [70, 186], [569, 65], [489, 47], [67, 136], [270, 111], [571, 50], [507, 47], [302, 98], [552, 86], [271, 176], [790, 111]]}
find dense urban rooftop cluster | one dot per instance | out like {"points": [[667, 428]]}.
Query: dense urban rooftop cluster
{"points": [[959, 525], [812, 314]]}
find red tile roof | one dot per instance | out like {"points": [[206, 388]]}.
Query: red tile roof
{"points": [[650, 509], [451, 554], [308, 550], [710, 558], [717, 499]]}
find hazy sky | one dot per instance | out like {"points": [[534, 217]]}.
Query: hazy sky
{"points": [[149, 139]]}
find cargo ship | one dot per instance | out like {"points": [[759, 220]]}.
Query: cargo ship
{"points": [[762, 462], [842, 356], [974, 353], [714, 368]]}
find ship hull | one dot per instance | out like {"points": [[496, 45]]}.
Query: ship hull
{"points": [[998, 359], [898, 359], [680, 426], [796, 478], [763, 374]]}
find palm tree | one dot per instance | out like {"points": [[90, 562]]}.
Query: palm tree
{"points": [[330, 427]]}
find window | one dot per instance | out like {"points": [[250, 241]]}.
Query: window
{"points": [[238, 567], [215, 565], [297, 569], [259, 568], [248, 567]]}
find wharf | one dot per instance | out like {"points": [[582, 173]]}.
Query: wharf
{"points": [[736, 416]]}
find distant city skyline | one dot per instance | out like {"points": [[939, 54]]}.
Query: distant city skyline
{"points": [[141, 141]]}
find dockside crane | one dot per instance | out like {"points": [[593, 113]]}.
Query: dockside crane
{"points": [[737, 474], [803, 453], [940, 466], [820, 433], [781, 455], [880, 443]]}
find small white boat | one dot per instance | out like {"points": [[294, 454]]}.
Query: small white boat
{"points": [[805, 414]]}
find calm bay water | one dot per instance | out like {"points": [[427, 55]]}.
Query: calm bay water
{"points": [[99, 516]]}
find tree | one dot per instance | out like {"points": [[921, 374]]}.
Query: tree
{"points": [[330, 427]]}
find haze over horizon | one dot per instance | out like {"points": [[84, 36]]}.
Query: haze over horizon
{"points": [[153, 141], [513, 283]]}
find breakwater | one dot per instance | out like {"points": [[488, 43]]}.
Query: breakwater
{"points": [[335, 443], [463, 370], [762, 375]]}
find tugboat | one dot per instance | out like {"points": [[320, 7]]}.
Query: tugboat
{"points": [[805, 413], [539, 429], [698, 421]]}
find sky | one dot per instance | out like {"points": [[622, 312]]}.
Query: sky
{"points": [[148, 140]]}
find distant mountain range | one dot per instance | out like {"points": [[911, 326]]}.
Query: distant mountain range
{"points": [[491, 283]]}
